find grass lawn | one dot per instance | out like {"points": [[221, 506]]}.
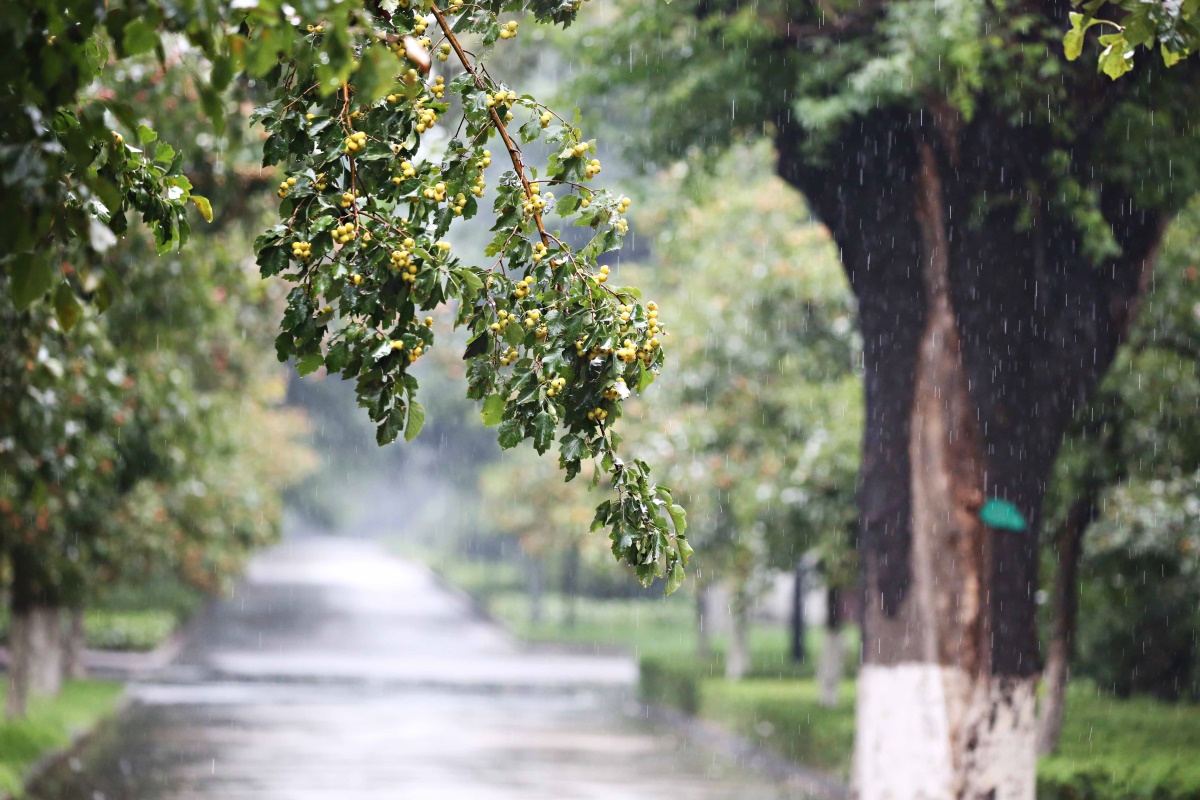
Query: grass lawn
{"points": [[51, 724]]}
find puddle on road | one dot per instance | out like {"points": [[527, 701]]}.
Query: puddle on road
{"points": [[295, 742]]}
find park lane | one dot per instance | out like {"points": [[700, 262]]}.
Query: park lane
{"points": [[340, 671]]}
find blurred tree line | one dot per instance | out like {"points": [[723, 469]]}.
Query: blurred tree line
{"points": [[151, 440]]}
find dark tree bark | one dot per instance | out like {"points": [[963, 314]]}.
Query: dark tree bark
{"points": [[798, 643], [981, 339], [1064, 611]]}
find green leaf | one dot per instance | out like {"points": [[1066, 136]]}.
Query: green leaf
{"points": [[66, 306], [493, 410], [1002, 515], [416, 420], [675, 578], [308, 364], [543, 431], [204, 205], [511, 433], [139, 36], [679, 518], [31, 278], [146, 134]]}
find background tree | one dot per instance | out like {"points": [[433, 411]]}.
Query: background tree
{"points": [[997, 210], [1134, 440]]}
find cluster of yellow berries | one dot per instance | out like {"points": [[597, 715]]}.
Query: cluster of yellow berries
{"points": [[344, 233], [652, 315], [539, 252], [479, 186], [355, 278], [485, 160], [509, 356], [436, 192], [443, 245], [598, 414], [316, 28], [534, 202], [524, 288], [301, 251], [444, 50], [603, 276], [439, 87], [320, 182], [623, 205], [285, 186], [402, 258], [508, 30], [545, 119], [349, 197], [460, 200], [531, 317], [503, 99], [629, 352], [595, 352], [407, 169], [616, 392], [426, 119], [624, 312], [622, 225], [556, 386], [356, 141], [419, 26], [578, 151], [502, 320], [593, 168]]}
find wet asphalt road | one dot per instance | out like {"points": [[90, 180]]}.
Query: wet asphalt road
{"points": [[340, 671]]}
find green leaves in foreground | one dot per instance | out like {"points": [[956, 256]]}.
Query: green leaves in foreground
{"points": [[365, 209], [1169, 24]]}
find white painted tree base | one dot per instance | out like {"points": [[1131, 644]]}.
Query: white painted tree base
{"points": [[929, 732]]}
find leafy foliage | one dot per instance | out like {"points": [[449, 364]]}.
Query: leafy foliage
{"points": [[369, 196], [1128, 25]]}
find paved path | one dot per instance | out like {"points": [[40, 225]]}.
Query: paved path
{"points": [[340, 672]]}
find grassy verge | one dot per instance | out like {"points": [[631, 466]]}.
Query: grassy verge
{"points": [[51, 725], [1111, 749]]}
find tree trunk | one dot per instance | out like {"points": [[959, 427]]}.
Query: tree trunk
{"points": [[74, 644], [832, 667], [1064, 611], [703, 621], [35, 633], [737, 656], [982, 336], [798, 613], [35, 656]]}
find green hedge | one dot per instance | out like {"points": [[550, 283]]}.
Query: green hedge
{"points": [[1110, 750]]}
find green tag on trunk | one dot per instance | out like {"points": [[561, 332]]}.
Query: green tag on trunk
{"points": [[1002, 514]]}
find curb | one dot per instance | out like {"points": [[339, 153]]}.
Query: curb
{"points": [[55, 758], [747, 754]]}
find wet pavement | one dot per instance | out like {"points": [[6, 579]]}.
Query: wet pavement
{"points": [[340, 671]]}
